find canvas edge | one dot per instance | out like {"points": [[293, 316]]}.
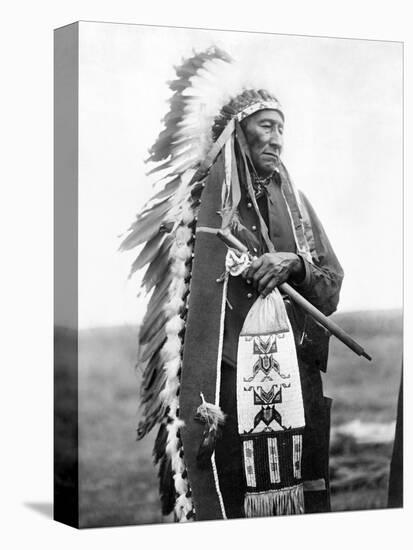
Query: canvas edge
{"points": [[66, 110]]}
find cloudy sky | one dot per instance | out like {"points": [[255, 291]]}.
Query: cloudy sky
{"points": [[343, 148]]}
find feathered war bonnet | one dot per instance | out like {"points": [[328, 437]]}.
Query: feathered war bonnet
{"points": [[210, 97]]}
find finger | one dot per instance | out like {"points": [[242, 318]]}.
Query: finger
{"points": [[272, 283], [246, 274], [256, 264], [264, 270], [264, 280]]}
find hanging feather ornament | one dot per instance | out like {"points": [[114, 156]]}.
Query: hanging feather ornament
{"points": [[213, 417]]}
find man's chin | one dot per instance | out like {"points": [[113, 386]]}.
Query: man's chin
{"points": [[266, 169]]}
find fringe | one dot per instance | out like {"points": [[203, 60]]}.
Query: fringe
{"points": [[282, 502], [303, 233]]}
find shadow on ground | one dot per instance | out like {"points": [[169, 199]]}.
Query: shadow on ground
{"points": [[43, 508]]}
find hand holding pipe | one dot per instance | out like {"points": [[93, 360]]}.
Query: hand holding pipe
{"points": [[327, 323]]}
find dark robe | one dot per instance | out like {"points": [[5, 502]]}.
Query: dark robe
{"points": [[321, 285]]}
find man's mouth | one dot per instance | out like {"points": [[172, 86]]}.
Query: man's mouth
{"points": [[272, 155]]}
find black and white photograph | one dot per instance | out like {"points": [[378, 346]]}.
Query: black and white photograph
{"points": [[205, 274], [236, 348]]}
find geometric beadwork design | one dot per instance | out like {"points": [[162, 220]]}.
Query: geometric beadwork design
{"points": [[265, 345], [248, 448], [273, 460], [297, 453]]}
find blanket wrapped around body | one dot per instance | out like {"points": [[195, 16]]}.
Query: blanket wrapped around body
{"points": [[270, 410]]}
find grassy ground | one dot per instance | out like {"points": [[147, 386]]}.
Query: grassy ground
{"points": [[361, 389], [368, 392], [117, 478], [118, 483]]}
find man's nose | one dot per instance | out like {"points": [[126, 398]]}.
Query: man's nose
{"points": [[276, 139]]}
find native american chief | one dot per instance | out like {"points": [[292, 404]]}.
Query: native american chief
{"points": [[231, 366]]}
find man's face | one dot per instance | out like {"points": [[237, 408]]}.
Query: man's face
{"points": [[264, 134]]}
